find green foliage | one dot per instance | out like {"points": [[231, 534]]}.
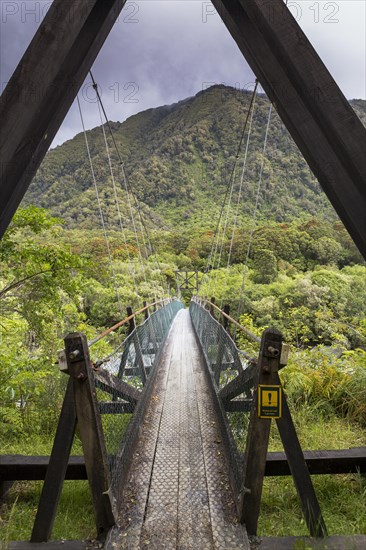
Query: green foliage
{"points": [[39, 295], [327, 382]]}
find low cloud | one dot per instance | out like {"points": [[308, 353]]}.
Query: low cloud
{"points": [[161, 51]]}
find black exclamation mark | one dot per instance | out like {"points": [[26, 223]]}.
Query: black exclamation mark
{"points": [[269, 398]]}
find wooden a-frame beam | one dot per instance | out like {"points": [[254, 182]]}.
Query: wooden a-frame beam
{"points": [[43, 87], [318, 116], [325, 128]]}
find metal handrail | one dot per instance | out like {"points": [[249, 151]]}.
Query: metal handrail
{"points": [[250, 334], [126, 320]]}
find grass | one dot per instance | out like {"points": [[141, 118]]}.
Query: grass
{"points": [[342, 498], [75, 516], [74, 519]]}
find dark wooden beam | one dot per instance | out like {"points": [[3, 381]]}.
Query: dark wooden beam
{"points": [[238, 405], [43, 87], [5, 487], [318, 116], [116, 407], [30, 468], [344, 461], [91, 431], [238, 384], [54, 545], [300, 472], [55, 474], [113, 385]]}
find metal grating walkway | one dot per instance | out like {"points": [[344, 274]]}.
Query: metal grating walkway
{"points": [[178, 493]]}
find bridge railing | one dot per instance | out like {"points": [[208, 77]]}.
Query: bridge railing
{"points": [[223, 357], [132, 363], [234, 374], [246, 401], [106, 399]]}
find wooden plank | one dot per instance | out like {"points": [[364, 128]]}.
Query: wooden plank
{"points": [[299, 471], [356, 542], [258, 434], [21, 468], [55, 474], [43, 87], [344, 461], [90, 431], [322, 123], [115, 386]]}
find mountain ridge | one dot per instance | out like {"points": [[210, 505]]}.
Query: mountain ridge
{"points": [[178, 160]]}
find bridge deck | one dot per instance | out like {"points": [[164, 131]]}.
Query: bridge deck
{"points": [[178, 493]]}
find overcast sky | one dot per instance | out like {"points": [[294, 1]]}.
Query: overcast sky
{"points": [[161, 51]]}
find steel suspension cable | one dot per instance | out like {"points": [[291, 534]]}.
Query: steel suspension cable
{"points": [[239, 195], [255, 211], [131, 270], [128, 187], [100, 208], [223, 234], [233, 171], [95, 86]]}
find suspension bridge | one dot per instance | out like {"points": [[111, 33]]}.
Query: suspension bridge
{"points": [[175, 422], [162, 421]]}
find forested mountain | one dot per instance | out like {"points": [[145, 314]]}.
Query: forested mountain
{"points": [[178, 161]]}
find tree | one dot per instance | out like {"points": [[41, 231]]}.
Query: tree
{"points": [[265, 267], [328, 251]]}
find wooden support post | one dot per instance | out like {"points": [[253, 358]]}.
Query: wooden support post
{"points": [[139, 360], [123, 362], [152, 339], [56, 470], [131, 325], [220, 354], [212, 309], [258, 434], [125, 352], [225, 320], [5, 487], [146, 312], [257, 446], [90, 431], [300, 471]]}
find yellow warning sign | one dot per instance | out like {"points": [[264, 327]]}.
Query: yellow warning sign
{"points": [[269, 401]]}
